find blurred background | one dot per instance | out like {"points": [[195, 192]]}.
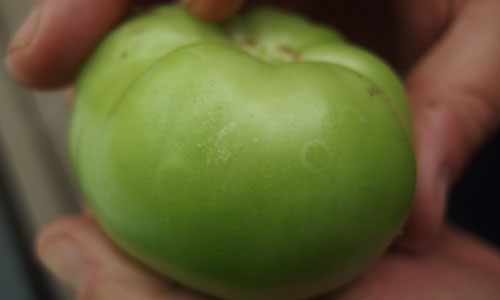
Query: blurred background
{"points": [[36, 183], [37, 186]]}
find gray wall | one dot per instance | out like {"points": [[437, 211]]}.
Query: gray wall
{"points": [[33, 154]]}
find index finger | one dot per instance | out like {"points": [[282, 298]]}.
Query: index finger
{"points": [[57, 36]]}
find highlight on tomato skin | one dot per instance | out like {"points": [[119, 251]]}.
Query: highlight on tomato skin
{"points": [[261, 158]]}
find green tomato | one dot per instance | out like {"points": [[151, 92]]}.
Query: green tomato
{"points": [[261, 158]]}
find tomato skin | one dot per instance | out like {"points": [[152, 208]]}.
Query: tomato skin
{"points": [[261, 158]]}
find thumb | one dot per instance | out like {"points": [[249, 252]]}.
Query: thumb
{"points": [[81, 256], [455, 95]]}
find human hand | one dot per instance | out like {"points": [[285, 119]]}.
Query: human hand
{"points": [[452, 85], [459, 267], [58, 35]]}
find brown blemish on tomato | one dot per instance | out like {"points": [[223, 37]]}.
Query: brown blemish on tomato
{"points": [[373, 91], [290, 51]]}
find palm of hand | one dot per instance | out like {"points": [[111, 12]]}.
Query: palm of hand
{"points": [[457, 267]]}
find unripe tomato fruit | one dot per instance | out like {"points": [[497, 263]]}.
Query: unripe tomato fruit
{"points": [[259, 158]]}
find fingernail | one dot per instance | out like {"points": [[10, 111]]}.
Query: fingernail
{"points": [[63, 257], [27, 32]]}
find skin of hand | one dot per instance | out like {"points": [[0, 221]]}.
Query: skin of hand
{"points": [[450, 53], [459, 268]]}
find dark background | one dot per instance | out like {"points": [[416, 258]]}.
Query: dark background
{"points": [[474, 200]]}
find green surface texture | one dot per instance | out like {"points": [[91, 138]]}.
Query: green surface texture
{"points": [[260, 158]]}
